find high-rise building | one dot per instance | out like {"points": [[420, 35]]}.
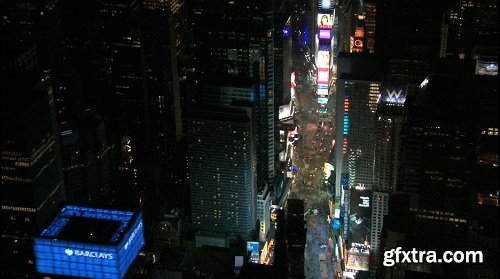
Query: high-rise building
{"points": [[96, 159], [221, 169], [370, 14], [167, 233], [405, 29], [358, 89], [30, 35], [126, 59], [72, 164], [32, 179], [345, 12], [239, 46], [439, 156], [388, 125], [264, 200], [282, 58], [162, 116], [470, 26]]}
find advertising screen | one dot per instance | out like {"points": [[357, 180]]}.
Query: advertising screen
{"points": [[322, 91], [323, 76], [285, 111], [326, 4], [360, 213], [323, 59], [357, 261], [253, 250], [393, 95], [487, 68], [359, 32], [325, 21], [322, 101], [327, 169], [324, 34]]}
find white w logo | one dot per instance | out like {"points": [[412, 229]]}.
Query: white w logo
{"points": [[393, 94]]}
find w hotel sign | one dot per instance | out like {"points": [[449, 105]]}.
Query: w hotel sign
{"points": [[393, 95]]}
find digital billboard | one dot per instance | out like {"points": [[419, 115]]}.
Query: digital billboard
{"points": [[358, 257], [360, 210], [393, 95], [322, 91], [253, 250], [322, 101], [328, 169], [89, 242], [326, 4], [323, 76], [487, 68], [285, 111], [325, 34], [323, 59], [325, 21]]}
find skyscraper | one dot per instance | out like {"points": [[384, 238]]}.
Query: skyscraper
{"points": [[72, 164], [221, 170], [32, 179], [358, 89], [239, 47], [439, 146], [388, 123], [126, 58]]}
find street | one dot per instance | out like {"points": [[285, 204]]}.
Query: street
{"points": [[313, 149]]}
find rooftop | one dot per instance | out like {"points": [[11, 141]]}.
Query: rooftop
{"points": [[90, 225]]}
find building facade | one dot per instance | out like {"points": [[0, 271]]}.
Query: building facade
{"points": [[32, 178], [221, 169]]}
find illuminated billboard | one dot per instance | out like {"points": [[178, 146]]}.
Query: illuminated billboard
{"points": [[292, 86], [360, 210], [253, 250], [322, 91], [323, 76], [325, 21], [322, 101], [358, 257], [393, 95], [89, 242], [325, 34], [487, 68], [328, 169], [326, 4], [323, 59], [285, 111]]}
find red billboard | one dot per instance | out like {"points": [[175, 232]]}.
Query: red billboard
{"points": [[323, 76]]}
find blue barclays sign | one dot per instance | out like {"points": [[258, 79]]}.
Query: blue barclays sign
{"points": [[132, 235], [90, 254]]}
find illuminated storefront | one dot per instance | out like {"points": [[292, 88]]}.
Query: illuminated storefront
{"points": [[89, 242]]}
